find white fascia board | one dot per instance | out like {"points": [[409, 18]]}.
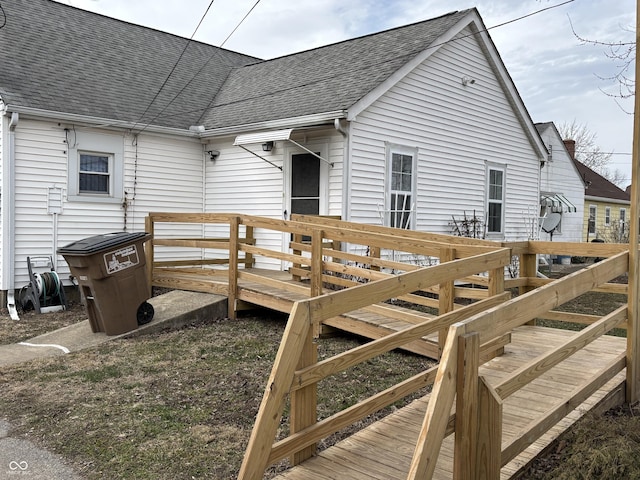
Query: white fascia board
{"points": [[510, 89], [366, 101], [284, 123], [97, 122]]}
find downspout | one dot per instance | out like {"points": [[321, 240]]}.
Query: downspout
{"points": [[346, 168], [9, 211]]}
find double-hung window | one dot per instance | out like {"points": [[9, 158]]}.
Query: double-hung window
{"points": [[607, 216], [95, 173], [401, 179], [593, 210], [96, 167], [495, 198]]}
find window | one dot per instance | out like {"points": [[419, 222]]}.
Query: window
{"points": [[607, 216], [495, 199], [95, 173], [623, 221], [96, 167], [401, 187], [592, 219]]}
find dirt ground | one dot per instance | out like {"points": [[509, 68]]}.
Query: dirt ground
{"points": [[599, 447]]}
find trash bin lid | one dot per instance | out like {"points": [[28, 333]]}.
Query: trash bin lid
{"points": [[97, 243]]}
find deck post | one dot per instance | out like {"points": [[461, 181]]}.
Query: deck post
{"points": [[250, 240], [374, 252], [234, 227], [633, 321], [446, 296], [148, 252], [466, 428], [528, 269], [304, 401], [297, 238], [489, 435]]}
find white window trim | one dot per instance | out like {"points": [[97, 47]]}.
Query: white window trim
{"points": [[503, 168], [595, 219], [392, 148], [607, 216], [108, 145]]}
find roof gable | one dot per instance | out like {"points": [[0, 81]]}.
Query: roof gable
{"points": [[329, 78], [62, 59]]}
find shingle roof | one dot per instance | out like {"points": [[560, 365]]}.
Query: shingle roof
{"points": [[325, 79], [598, 186], [59, 58]]}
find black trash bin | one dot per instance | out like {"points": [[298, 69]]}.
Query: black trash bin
{"points": [[110, 270]]}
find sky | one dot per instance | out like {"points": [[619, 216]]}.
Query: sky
{"points": [[559, 77]]}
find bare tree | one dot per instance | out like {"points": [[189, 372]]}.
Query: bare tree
{"points": [[589, 153], [624, 54], [587, 150]]}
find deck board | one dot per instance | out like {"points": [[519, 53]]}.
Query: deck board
{"points": [[384, 449]]}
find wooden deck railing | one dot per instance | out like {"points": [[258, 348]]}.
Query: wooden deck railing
{"points": [[339, 279], [479, 452]]}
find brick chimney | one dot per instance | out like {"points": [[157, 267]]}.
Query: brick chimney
{"points": [[570, 145]]}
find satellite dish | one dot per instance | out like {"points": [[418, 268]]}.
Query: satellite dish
{"points": [[551, 221]]}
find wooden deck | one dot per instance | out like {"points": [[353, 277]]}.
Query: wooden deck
{"points": [[505, 410], [278, 291], [384, 450]]}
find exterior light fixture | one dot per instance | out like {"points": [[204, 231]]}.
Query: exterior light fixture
{"points": [[213, 154], [468, 81], [267, 146]]}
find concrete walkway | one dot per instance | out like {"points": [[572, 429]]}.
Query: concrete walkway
{"points": [[21, 458]]}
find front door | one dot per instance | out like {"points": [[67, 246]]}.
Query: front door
{"points": [[305, 184]]}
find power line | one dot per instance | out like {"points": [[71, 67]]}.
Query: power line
{"points": [[203, 110], [174, 67]]}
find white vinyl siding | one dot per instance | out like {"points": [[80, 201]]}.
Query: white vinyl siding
{"points": [[166, 175], [240, 182], [455, 130], [561, 176]]}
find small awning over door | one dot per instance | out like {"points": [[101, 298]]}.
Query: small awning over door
{"points": [[557, 202], [272, 136], [262, 137]]}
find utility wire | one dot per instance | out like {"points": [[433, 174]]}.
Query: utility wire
{"points": [[206, 109], [174, 67], [4, 16], [319, 80], [195, 75]]}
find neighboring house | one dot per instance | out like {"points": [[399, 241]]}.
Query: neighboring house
{"points": [[409, 127], [606, 206], [561, 190]]}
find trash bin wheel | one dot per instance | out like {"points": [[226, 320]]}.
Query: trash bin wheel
{"points": [[145, 313]]}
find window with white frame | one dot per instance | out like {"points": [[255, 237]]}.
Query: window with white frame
{"points": [[495, 198], [401, 181], [607, 216], [593, 210], [96, 167], [95, 173], [622, 223]]}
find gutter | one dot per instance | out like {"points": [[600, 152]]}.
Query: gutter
{"points": [[8, 218], [99, 122]]}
